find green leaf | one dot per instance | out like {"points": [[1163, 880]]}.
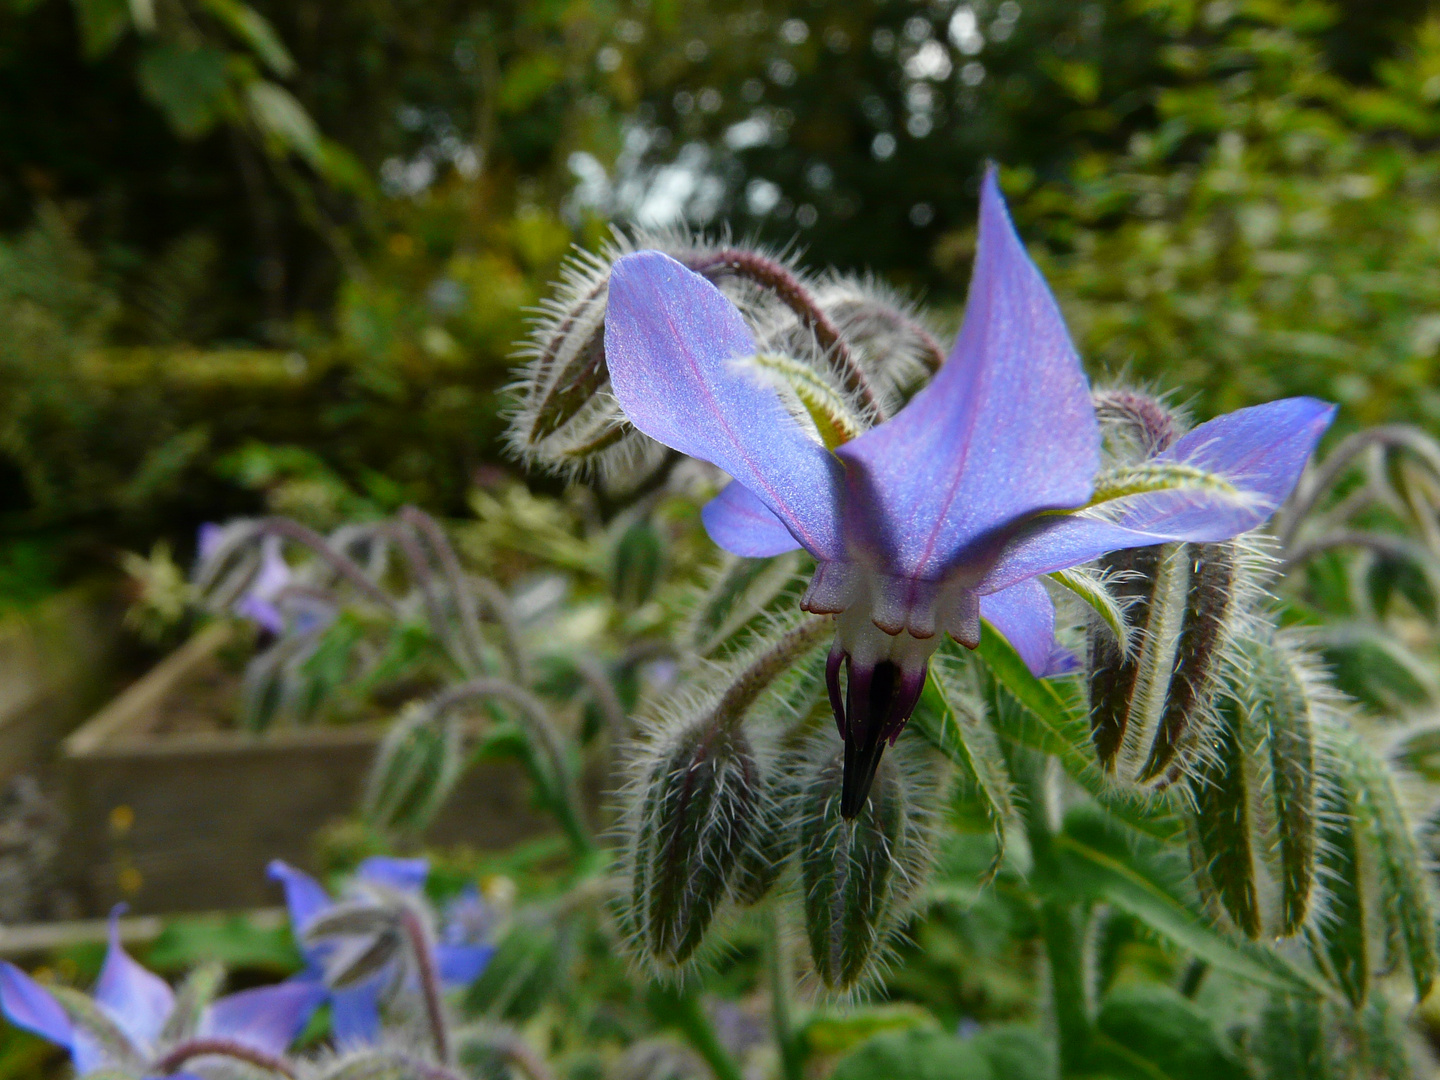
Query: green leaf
{"points": [[1406, 898], [1049, 715], [952, 720], [1151, 1031], [915, 1055], [839, 1032], [251, 27], [1017, 1052], [285, 122], [187, 84], [102, 23], [1118, 879]]}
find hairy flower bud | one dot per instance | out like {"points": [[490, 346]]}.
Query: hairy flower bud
{"points": [[1148, 702], [1253, 789], [697, 807], [742, 599], [772, 841], [847, 869], [566, 419]]}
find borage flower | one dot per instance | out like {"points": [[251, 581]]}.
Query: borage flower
{"points": [[372, 941], [260, 601], [949, 513], [133, 1025]]}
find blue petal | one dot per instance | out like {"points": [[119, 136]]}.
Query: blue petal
{"points": [[461, 965], [404, 875], [303, 894], [1261, 451], [207, 540], [262, 613], [1025, 616], [671, 339], [743, 525], [267, 1018], [139, 1001], [355, 1015], [29, 1005], [1005, 429]]}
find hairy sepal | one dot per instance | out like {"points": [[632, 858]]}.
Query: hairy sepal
{"points": [[697, 806], [859, 876]]}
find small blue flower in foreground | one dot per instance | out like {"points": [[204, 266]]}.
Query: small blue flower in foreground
{"points": [[130, 1025], [457, 959], [948, 513]]}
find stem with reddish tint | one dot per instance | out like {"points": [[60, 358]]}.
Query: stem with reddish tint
{"points": [[429, 976], [774, 276], [216, 1047]]}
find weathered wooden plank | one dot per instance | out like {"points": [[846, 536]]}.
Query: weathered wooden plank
{"points": [[187, 822]]}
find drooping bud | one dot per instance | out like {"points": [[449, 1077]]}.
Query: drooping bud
{"points": [[1208, 597], [1113, 672], [773, 839], [1148, 701], [1222, 820], [1141, 419], [361, 939], [1253, 790], [638, 563], [848, 869], [698, 803]]}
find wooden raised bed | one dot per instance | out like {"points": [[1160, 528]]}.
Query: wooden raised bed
{"points": [[171, 819], [57, 661]]}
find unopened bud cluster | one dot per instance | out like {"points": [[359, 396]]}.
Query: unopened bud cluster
{"points": [[1206, 699], [733, 800], [865, 345]]}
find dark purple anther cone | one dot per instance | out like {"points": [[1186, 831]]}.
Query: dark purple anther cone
{"points": [[879, 698]]}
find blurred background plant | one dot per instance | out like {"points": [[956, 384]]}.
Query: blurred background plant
{"points": [[306, 234]]}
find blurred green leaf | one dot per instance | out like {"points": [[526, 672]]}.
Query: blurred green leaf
{"points": [[285, 122], [916, 1055], [251, 27], [102, 23], [1147, 1031], [188, 84]]}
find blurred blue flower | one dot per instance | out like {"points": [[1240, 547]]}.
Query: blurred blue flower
{"points": [[459, 956], [130, 1026], [258, 602], [950, 511]]}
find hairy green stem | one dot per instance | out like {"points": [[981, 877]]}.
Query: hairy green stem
{"points": [[683, 1010], [566, 797], [766, 668], [341, 564], [465, 606], [1064, 946], [792, 1052]]}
